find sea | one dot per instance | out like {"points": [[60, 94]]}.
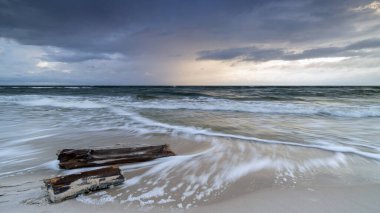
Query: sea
{"points": [[229, 141]]}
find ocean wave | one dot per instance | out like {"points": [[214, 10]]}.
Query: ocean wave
{"points": [[205, 132], [73, 87], [335, 109], [47, 87], [120, 107], [262, 107], [60, 102], [125, 107], [85, 104]]}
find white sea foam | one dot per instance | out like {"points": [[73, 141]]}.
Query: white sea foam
{"points": [[17, 151], [62, 103], [72, 87], [199, 131], [353, 110], [24, 140], [224, 167], [53, 165], [12, 156], [104, 198], [151, 126], [263, 107]]}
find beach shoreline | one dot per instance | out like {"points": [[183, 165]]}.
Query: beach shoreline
{"points": [[276, 150]]}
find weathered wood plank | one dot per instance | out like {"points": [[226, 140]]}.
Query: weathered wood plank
{"points": [[66, 187], [78, 158]]}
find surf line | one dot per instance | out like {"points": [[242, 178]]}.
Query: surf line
{"points": [[197, 131]]}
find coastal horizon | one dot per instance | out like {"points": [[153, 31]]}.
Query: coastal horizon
{"points": [[89, 85]]}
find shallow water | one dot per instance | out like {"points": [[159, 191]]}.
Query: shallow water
{"points": [[230, 140]]}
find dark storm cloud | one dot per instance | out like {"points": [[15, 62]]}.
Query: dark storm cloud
{"points": [[247, 53], [257, 54], [97, 28], [108, 26]]}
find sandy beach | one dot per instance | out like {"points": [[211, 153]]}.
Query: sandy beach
{"points": [[25, 194], [333, 183], [226, 160]]}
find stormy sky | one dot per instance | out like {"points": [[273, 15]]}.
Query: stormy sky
{"points": [[197, 42]]}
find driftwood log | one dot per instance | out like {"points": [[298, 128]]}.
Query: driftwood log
{"points": [[66, 187], [78, 158]]}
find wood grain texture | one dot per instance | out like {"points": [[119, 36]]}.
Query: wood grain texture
{"points": [[78, 158], [66, 187]]}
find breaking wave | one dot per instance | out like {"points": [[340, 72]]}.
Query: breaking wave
{"points": [[126, 106], [59, 102], [263, 107], [199, 131], [204, 104]]}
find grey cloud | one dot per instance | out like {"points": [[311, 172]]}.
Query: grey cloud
{"points": [[66, 56], [257, 54], [151, 35], [137, 27], [365, 44], [247, 53], [109, 26]]}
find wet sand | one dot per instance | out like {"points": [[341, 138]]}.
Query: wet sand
{"points": [[360, 198], [27, 197], [206, 175]]}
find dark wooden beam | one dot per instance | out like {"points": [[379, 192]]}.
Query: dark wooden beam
{"points": [[66, 187], [78, 158]]}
